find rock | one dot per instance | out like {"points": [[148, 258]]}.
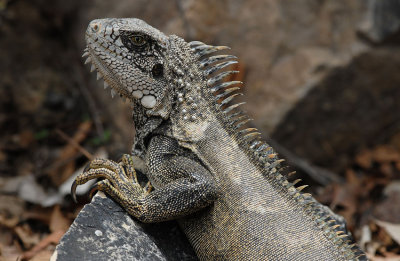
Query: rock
{"points": [[286, 46], [355, 106], [382, 20], [104, 231]]}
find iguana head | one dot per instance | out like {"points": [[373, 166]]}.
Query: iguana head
{"points": [[131, 57], [163, 75]]}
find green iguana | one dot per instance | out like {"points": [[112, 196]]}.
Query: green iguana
{"points": [[206, 168]]}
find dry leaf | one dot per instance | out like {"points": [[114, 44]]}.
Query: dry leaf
{"points": [[383, 154], [9, 253], [392, 229], [26, 235], [364, 159], [378, 258], [26, 137], [58, 171], [58, 221], [43, 255], [53, 238]]}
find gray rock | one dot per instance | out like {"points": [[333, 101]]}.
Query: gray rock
{"points": [[382, 21], [356, 106], [104, 231]]}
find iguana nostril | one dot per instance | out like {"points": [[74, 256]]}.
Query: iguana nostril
{"points": [[95, 27]]}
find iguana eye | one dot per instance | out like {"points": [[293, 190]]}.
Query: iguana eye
{"points": [[138, 40]]}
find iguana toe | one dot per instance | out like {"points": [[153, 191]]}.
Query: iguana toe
{"points": [[119, 178]]}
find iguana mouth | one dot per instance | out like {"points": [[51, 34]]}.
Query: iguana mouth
{"points": [[102, 70]]}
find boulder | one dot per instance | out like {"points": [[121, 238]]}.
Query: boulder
{"points": [[104, 231]]}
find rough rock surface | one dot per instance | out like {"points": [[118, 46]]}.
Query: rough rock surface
{"points": [[104, 231], [354, 106]]}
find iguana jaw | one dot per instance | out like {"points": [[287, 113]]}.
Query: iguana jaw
{"points": [[96, 48]]}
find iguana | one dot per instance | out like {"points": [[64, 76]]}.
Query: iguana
{"points": [[205, 167]]}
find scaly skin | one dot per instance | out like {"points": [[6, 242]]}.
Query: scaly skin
{"points": [[208, 171]]}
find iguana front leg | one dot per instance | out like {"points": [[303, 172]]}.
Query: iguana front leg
{"points": [[181, 184]]}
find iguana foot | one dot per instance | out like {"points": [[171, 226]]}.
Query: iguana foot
{"points": [[120, 182]]}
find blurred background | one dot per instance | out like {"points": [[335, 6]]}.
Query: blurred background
{"points": [[322, 83]]}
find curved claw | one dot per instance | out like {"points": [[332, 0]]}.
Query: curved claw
{"points": [[73, 191], [93, 190], [87, 167]]}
